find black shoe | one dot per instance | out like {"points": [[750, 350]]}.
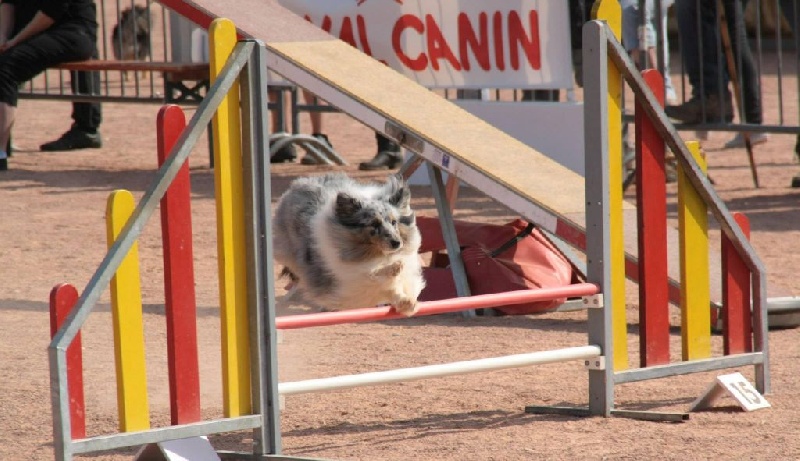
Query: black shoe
{"points": [[384, 160], [796, 182], [309, 159], [691, 112], [3, 164], [285, 154], [73, 139]]}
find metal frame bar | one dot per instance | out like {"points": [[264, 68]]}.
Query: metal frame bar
{"points": [[162, 434], [449, 234], [260, 271], [598, 229], [694, 366]]}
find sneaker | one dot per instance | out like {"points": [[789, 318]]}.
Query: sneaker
{"points": [[691, 112], [309, 159], [73, 139], [755, 139]]}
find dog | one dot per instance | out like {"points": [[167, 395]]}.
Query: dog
{"points": [[346, 244], [130, 38]]}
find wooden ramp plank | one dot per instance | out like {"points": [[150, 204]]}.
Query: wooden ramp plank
{"points": [[441, 123]]}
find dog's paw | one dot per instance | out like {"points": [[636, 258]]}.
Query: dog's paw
{"points": [[392, 270], [406, 307]]}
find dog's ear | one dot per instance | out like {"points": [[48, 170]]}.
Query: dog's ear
{"points": [[400, 195], [347, 205]]}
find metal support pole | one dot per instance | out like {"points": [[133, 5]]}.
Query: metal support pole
{"points": [[598, 238], [449, 234], [261, 299]]}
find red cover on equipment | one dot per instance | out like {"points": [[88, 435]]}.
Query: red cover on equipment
{"points": [[531, 262]]}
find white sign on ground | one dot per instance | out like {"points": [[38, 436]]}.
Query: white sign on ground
{"points": [[737, 386]]}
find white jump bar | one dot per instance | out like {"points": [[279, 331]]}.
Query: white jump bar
{"points": [[437, 371]]}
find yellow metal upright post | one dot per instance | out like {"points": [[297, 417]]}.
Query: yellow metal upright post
{"points": [[695, 279], [231, 243], [126, 308], [611, 12]]}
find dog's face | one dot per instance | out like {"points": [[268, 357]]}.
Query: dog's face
{"points": [[136, 19], [130, 37], [371, 227]]}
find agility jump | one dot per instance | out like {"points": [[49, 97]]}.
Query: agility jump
{"points": [[249, 325]]}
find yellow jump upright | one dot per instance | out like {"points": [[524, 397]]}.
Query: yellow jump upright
{"points": [[126, 308], [694, 261], [611, 12], [230, 231]]}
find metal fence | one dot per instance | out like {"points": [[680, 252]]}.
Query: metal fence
{"points": [[771, 30], [159, 46], [771, 35]]}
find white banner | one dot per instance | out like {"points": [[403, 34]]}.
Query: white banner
{"points": [[455, 43]]}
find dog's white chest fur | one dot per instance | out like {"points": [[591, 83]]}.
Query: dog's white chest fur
{"points": [[392, 279]]}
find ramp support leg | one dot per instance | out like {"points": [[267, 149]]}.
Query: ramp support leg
{"points": [[449, 234]]}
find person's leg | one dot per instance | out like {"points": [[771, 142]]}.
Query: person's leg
{"points": [[670, 94], [84, 132], [630, 24], [6, 122], [315, 117], [87, 115], [747, 72], [26, 60], [9, 87], [697, 28], [64, 44], [699, 33], [285, 154], [743, 58], [789, 9]]}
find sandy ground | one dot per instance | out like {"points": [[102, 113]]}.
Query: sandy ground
{"points": [[52, 222]]}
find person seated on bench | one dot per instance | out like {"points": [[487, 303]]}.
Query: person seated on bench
{"points": [[35, 35]]}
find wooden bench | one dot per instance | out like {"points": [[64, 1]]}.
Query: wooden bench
{"points": [[176, 75]]}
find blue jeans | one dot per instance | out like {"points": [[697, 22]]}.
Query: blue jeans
{"points": [[704, 57]]}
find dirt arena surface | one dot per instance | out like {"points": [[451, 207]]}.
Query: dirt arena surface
{"points": [[52, 221]]}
